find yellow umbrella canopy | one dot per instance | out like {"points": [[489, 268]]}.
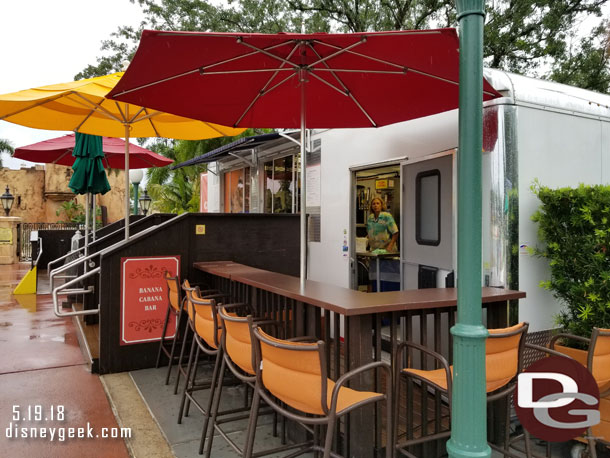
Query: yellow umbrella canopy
{"points": [[81, 106]]}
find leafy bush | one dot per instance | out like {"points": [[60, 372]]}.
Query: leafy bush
{"points": [[75, 213], [574, 224]]}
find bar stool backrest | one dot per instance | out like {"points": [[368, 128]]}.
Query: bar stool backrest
{"points": [[294, 372], [238, 342], [186, 286], [599, 356], [204, 317], [503, 355], [173, 290]]}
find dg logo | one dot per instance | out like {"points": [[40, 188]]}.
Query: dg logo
{"points": [[557, 399]]}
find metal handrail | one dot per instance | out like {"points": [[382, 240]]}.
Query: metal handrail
{"points": [[69, 265], [96, 271], [54, 261], [68, 254], [39, 251], [58, 312]]}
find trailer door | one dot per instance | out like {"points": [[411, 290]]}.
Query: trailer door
{"points": [[426, 241]]}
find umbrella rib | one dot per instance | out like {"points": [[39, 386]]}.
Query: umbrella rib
{"points": [[96, 107], [254, 70], [335, 54], [118, 107], [134, 119], [61, 157], [29, 107], [154, 83], [149, 118], [268, 54], [348, 94], [392, 64], [80, 124], [264, 90], [345, 88], [355, 53], [355, 70], [260, 94], [242, 56], [213, 127], [189, 72]]}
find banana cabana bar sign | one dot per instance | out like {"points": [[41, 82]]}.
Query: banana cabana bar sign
{"points": [[144, 298]]}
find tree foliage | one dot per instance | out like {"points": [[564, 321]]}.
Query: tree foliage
{"points": [[5, 147], [587, 64], [177, 191], [574, 227], [523, 36]]}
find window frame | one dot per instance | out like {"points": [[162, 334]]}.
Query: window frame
{"points": [[418, 204]]}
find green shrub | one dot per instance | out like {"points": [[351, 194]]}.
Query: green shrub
{"points": [[574, 226]]}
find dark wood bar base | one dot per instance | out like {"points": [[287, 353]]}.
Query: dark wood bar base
{"points": [[359, 328]]}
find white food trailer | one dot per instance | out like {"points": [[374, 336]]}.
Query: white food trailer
{"points": [[553, 133]]}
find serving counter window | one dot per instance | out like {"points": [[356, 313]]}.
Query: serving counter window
{"points": [[281, 185], [237, 191]]}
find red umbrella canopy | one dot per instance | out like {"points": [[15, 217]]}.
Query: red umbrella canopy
{"points": [[253, 80], [59, 151]]}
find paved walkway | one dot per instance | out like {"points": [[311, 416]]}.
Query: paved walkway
{"points": [[46, 387]]}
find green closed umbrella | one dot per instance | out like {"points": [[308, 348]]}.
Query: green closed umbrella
{"points": [[89, 174]]}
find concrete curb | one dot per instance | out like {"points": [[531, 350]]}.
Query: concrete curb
{"points": [[130, 410]]}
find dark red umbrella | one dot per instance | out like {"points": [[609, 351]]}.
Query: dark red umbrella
{"points": [[59, 151], [254, 80]]}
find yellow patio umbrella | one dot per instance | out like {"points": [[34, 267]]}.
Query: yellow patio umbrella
{"points": [[81, 106]]}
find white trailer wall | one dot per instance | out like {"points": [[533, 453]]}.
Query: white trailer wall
{"points": [[559, 150], [343, 149]]}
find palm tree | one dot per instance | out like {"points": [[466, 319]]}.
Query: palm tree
{"points": [[5, 147], [177, 191]]}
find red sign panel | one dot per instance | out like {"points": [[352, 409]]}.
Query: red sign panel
{"points": [[144, 298]]}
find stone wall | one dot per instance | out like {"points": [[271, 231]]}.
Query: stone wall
{"points": [[40, 190]]}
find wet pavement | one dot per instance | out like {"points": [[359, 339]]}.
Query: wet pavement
{"points": [[47, 388]]}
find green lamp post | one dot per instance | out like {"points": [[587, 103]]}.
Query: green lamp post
{"points": [[468, 421], [135, 176]]}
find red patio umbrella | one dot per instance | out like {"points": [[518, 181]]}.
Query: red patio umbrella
{"points": [[59, 151], [255, 80]]}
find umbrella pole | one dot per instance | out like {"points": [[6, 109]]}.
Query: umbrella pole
{"points": [[303, 269], [126, 174], [86, 226], [93, 217]]}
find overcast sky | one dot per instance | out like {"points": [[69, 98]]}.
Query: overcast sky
{"points": [[49, 41]]}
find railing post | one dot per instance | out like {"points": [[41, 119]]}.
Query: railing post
{"points": [[468, 421]]}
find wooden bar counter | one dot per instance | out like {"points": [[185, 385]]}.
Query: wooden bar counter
{"points": [[369, 326]]}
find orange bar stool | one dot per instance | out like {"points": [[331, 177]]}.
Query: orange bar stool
{"points": [[238, 356], [203, 322], [503, 363], [597, 360], [294, 373], [175, 308]]}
